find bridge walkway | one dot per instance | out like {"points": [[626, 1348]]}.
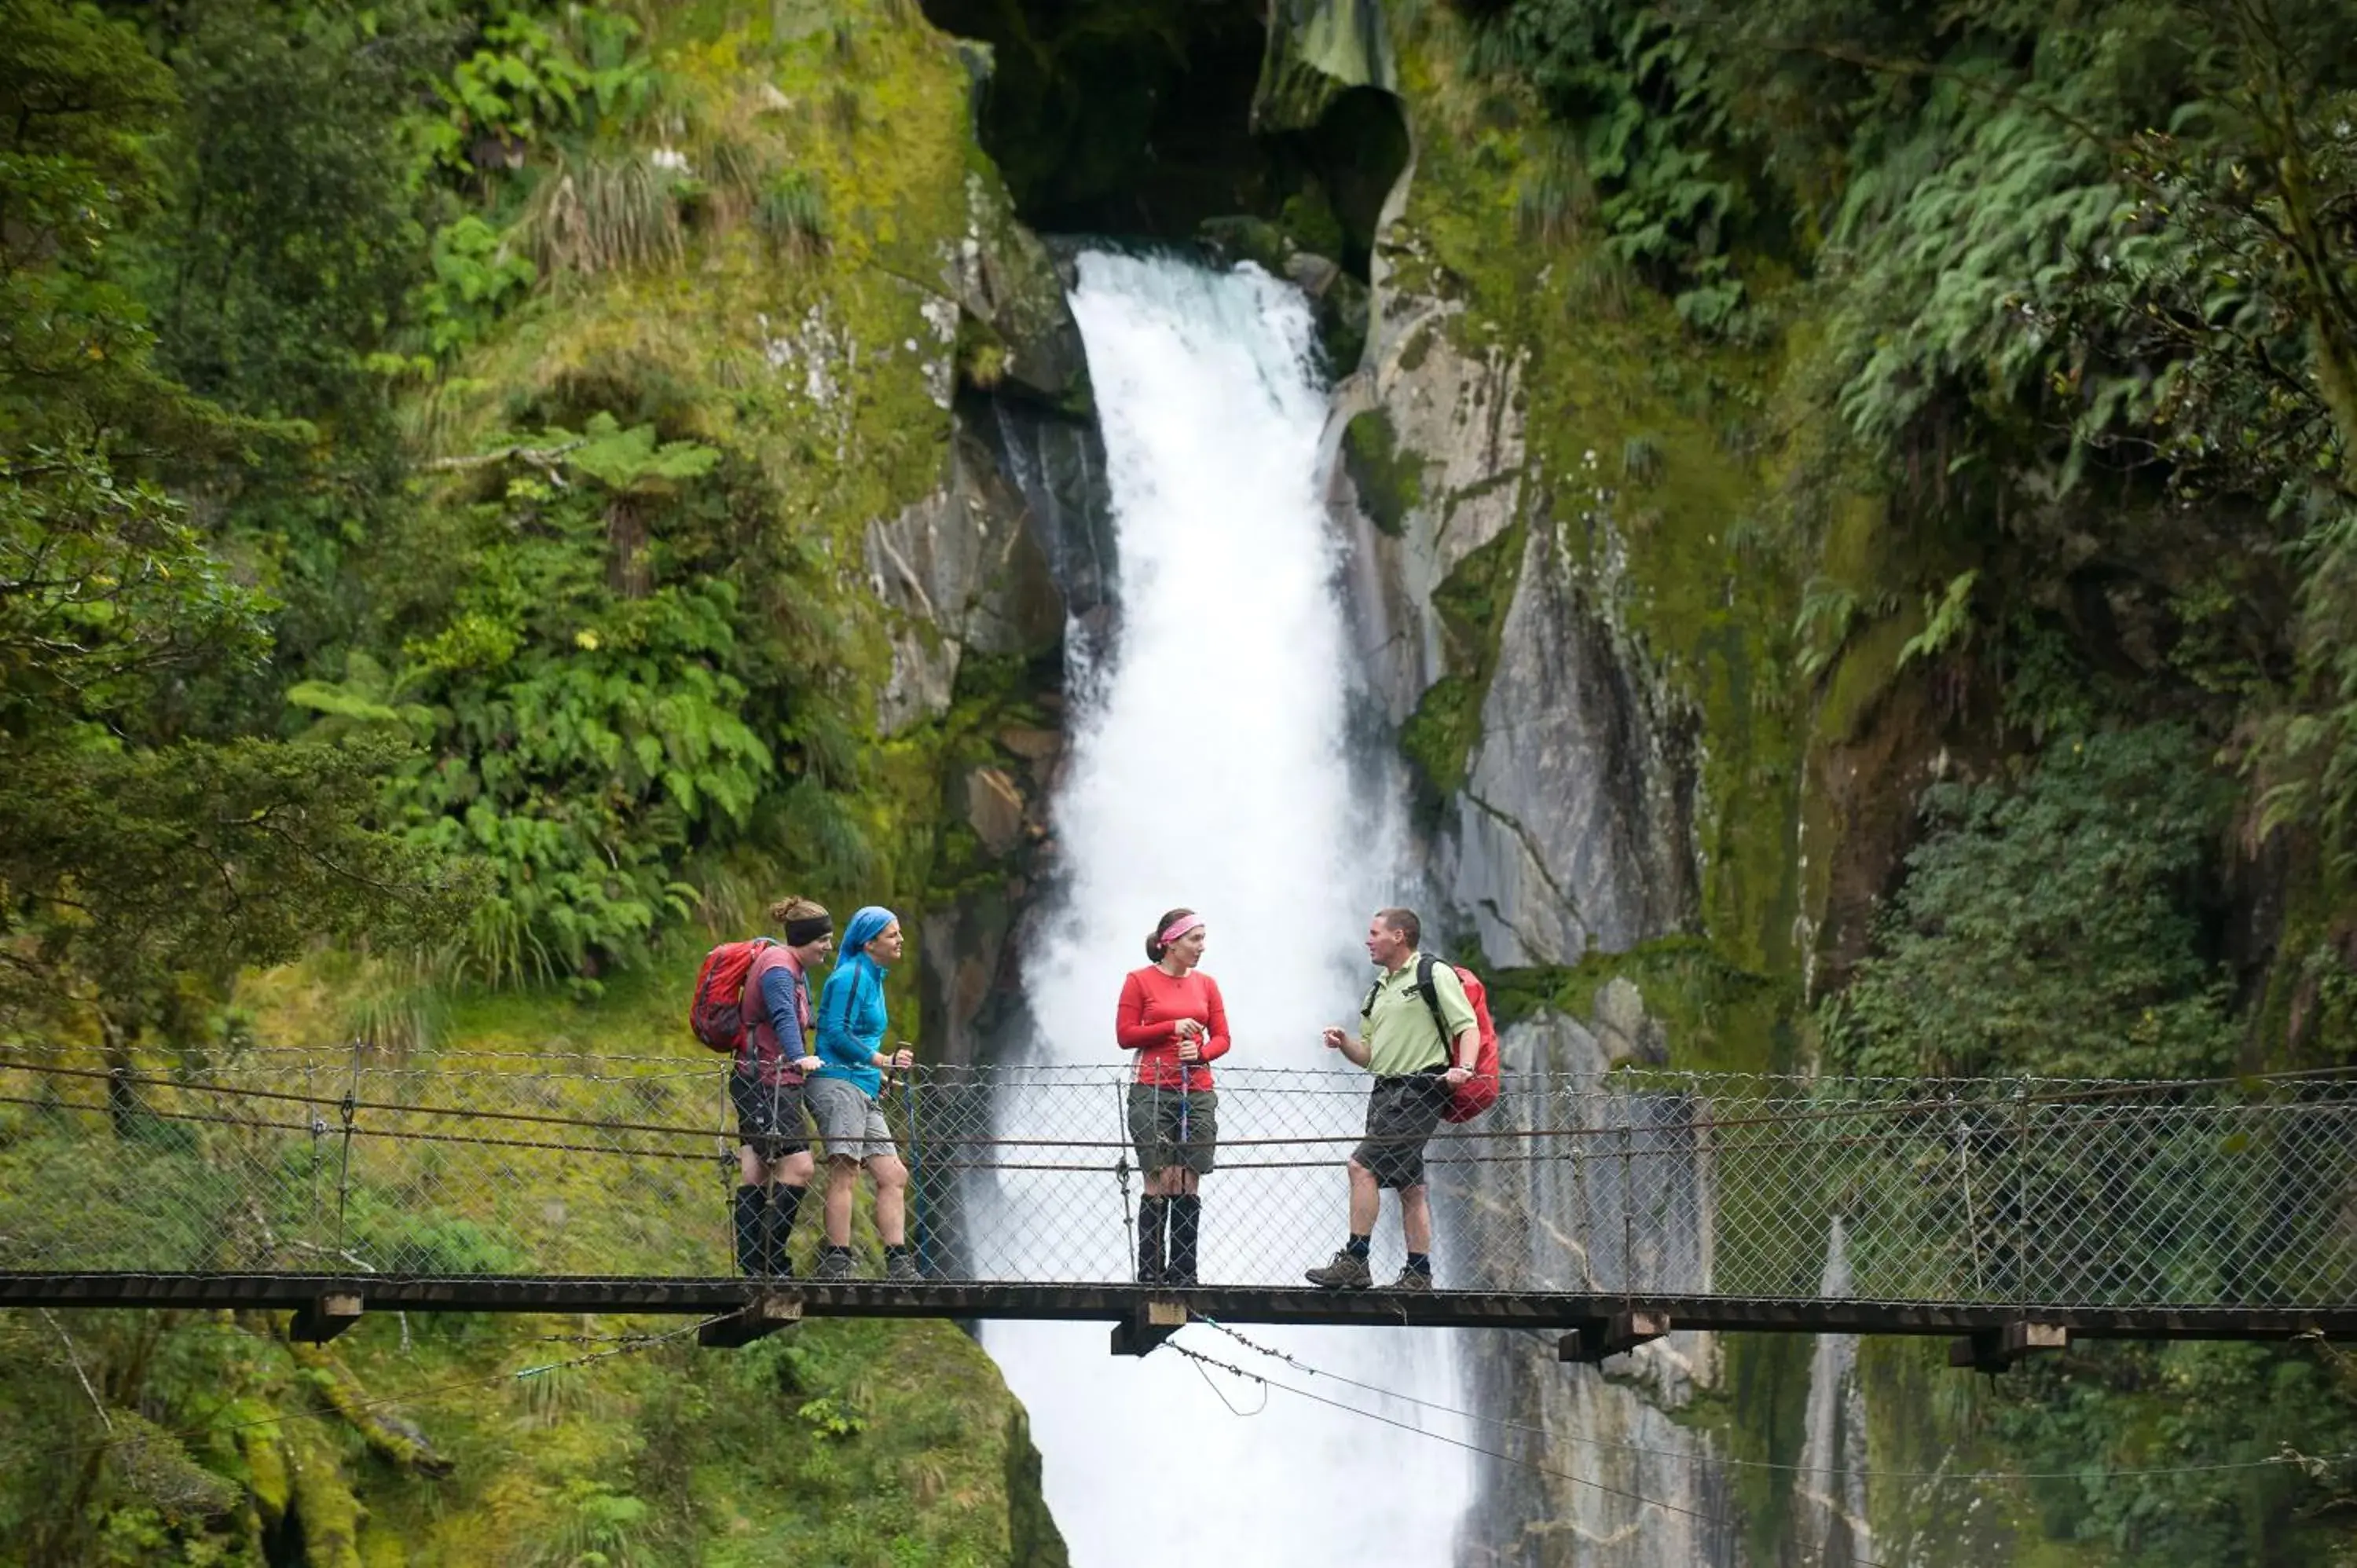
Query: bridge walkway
{"points": [[1609, 1209]]}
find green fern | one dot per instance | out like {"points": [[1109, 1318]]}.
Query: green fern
{"points": [[1947, 622]]}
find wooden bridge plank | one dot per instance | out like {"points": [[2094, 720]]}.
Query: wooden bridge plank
{"points": [[1116, 1303]]}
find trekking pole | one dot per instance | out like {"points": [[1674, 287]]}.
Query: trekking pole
{"points": [[909, 1104], [1186, 1139], [1120, 1177]]}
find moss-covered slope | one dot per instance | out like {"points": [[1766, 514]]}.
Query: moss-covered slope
{"points": [[841, 260]]}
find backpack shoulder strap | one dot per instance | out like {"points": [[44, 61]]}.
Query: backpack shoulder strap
{"points": [[1367, 1008], [1424, 965], [761, 947]]}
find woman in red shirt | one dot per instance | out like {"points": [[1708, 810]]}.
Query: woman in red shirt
{"points": [[1171, 1016]]}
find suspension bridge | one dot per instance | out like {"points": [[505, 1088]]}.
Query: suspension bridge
{"points": [[2010, 1215]]}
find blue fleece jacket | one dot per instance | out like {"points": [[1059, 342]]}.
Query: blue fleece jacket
{"points": [[851, 1015]]}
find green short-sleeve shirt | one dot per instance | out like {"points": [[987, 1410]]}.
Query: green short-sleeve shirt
{"points": [[1398, 1029]]}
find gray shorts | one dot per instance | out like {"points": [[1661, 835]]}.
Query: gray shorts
{"points": [[851, 1126], [1402, 1115], [1170, 1128]]}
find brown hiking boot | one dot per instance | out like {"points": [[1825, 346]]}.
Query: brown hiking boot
{"points": [[1417, 1280], [1347, 1271]]}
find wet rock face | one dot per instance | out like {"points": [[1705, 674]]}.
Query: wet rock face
{"points": [[1565, 816], [1573, 826], [1016, 543], [1011, 558], [1588, 1437], [1564, 822], [965, 569]]}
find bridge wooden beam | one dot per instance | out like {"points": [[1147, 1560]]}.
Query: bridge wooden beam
{"points": [[324, 1316], [1149, 1326], [1996, 1349], [1621, 1332], [762, 1316], [1554, 1313]]}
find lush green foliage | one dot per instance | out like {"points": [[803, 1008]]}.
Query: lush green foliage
{"points": [[2084, 288], [2054, 310], [77, 166], [1649, 166], [841, 1442], [2181, 1408], [404, 569], [577, 690], [2050, 926], [144, 864], [582, 636]]}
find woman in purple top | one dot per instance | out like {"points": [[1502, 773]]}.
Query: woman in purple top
{"points": [[773, 1162]]}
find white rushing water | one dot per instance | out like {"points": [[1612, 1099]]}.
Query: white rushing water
{"points": [[1211, 771]]}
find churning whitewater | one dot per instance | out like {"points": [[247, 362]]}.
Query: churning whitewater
{"points": [[1211, 770]]}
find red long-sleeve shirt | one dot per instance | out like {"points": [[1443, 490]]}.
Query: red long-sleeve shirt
{"points": [[1151, 1001]]}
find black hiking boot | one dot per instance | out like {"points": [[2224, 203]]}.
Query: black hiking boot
{"points": [[1153, 1219], [752, 1214], [1185, 1231], [777, 1230], [1347, 1271]]}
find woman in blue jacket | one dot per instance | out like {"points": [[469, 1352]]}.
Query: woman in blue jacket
{"points": [[842, 1095]]}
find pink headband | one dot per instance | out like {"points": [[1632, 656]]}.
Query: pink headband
{"points": [[1179, 928]]}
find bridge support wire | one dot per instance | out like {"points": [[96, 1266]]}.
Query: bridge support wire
{"points": [[474, 1180]]}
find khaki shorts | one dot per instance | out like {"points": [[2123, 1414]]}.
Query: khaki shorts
{"points": [[1402, 1113], [851, 1126], [1169, 1127]]}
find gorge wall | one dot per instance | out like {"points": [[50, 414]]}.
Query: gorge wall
{"points": [[1652, 833], [1636, 816], [1658, 822]]}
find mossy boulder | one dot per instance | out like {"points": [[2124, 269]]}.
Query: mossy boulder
{"points": [[1008, 286]]}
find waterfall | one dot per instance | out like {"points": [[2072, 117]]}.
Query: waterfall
{"points": [[1210, 768]]}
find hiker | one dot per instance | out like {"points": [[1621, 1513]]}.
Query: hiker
{"points": [[1419, 1049], [844, 1093], [773, 1162], [1171, 1016]]}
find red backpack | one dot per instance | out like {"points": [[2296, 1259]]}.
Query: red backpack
{"points": [[716, 1015], [1478, 1093]]}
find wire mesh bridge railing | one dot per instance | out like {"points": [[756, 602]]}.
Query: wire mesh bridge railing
{"points": [[2202, 1205]]}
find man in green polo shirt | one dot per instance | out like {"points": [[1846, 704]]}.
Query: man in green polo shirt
{"points": [[1401, 1043]]}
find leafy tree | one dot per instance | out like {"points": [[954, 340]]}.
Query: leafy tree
{"points": [[2048, 925], [2179, 1409], [301, 213], [141, 868], [79, 101], [132, 869]]}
